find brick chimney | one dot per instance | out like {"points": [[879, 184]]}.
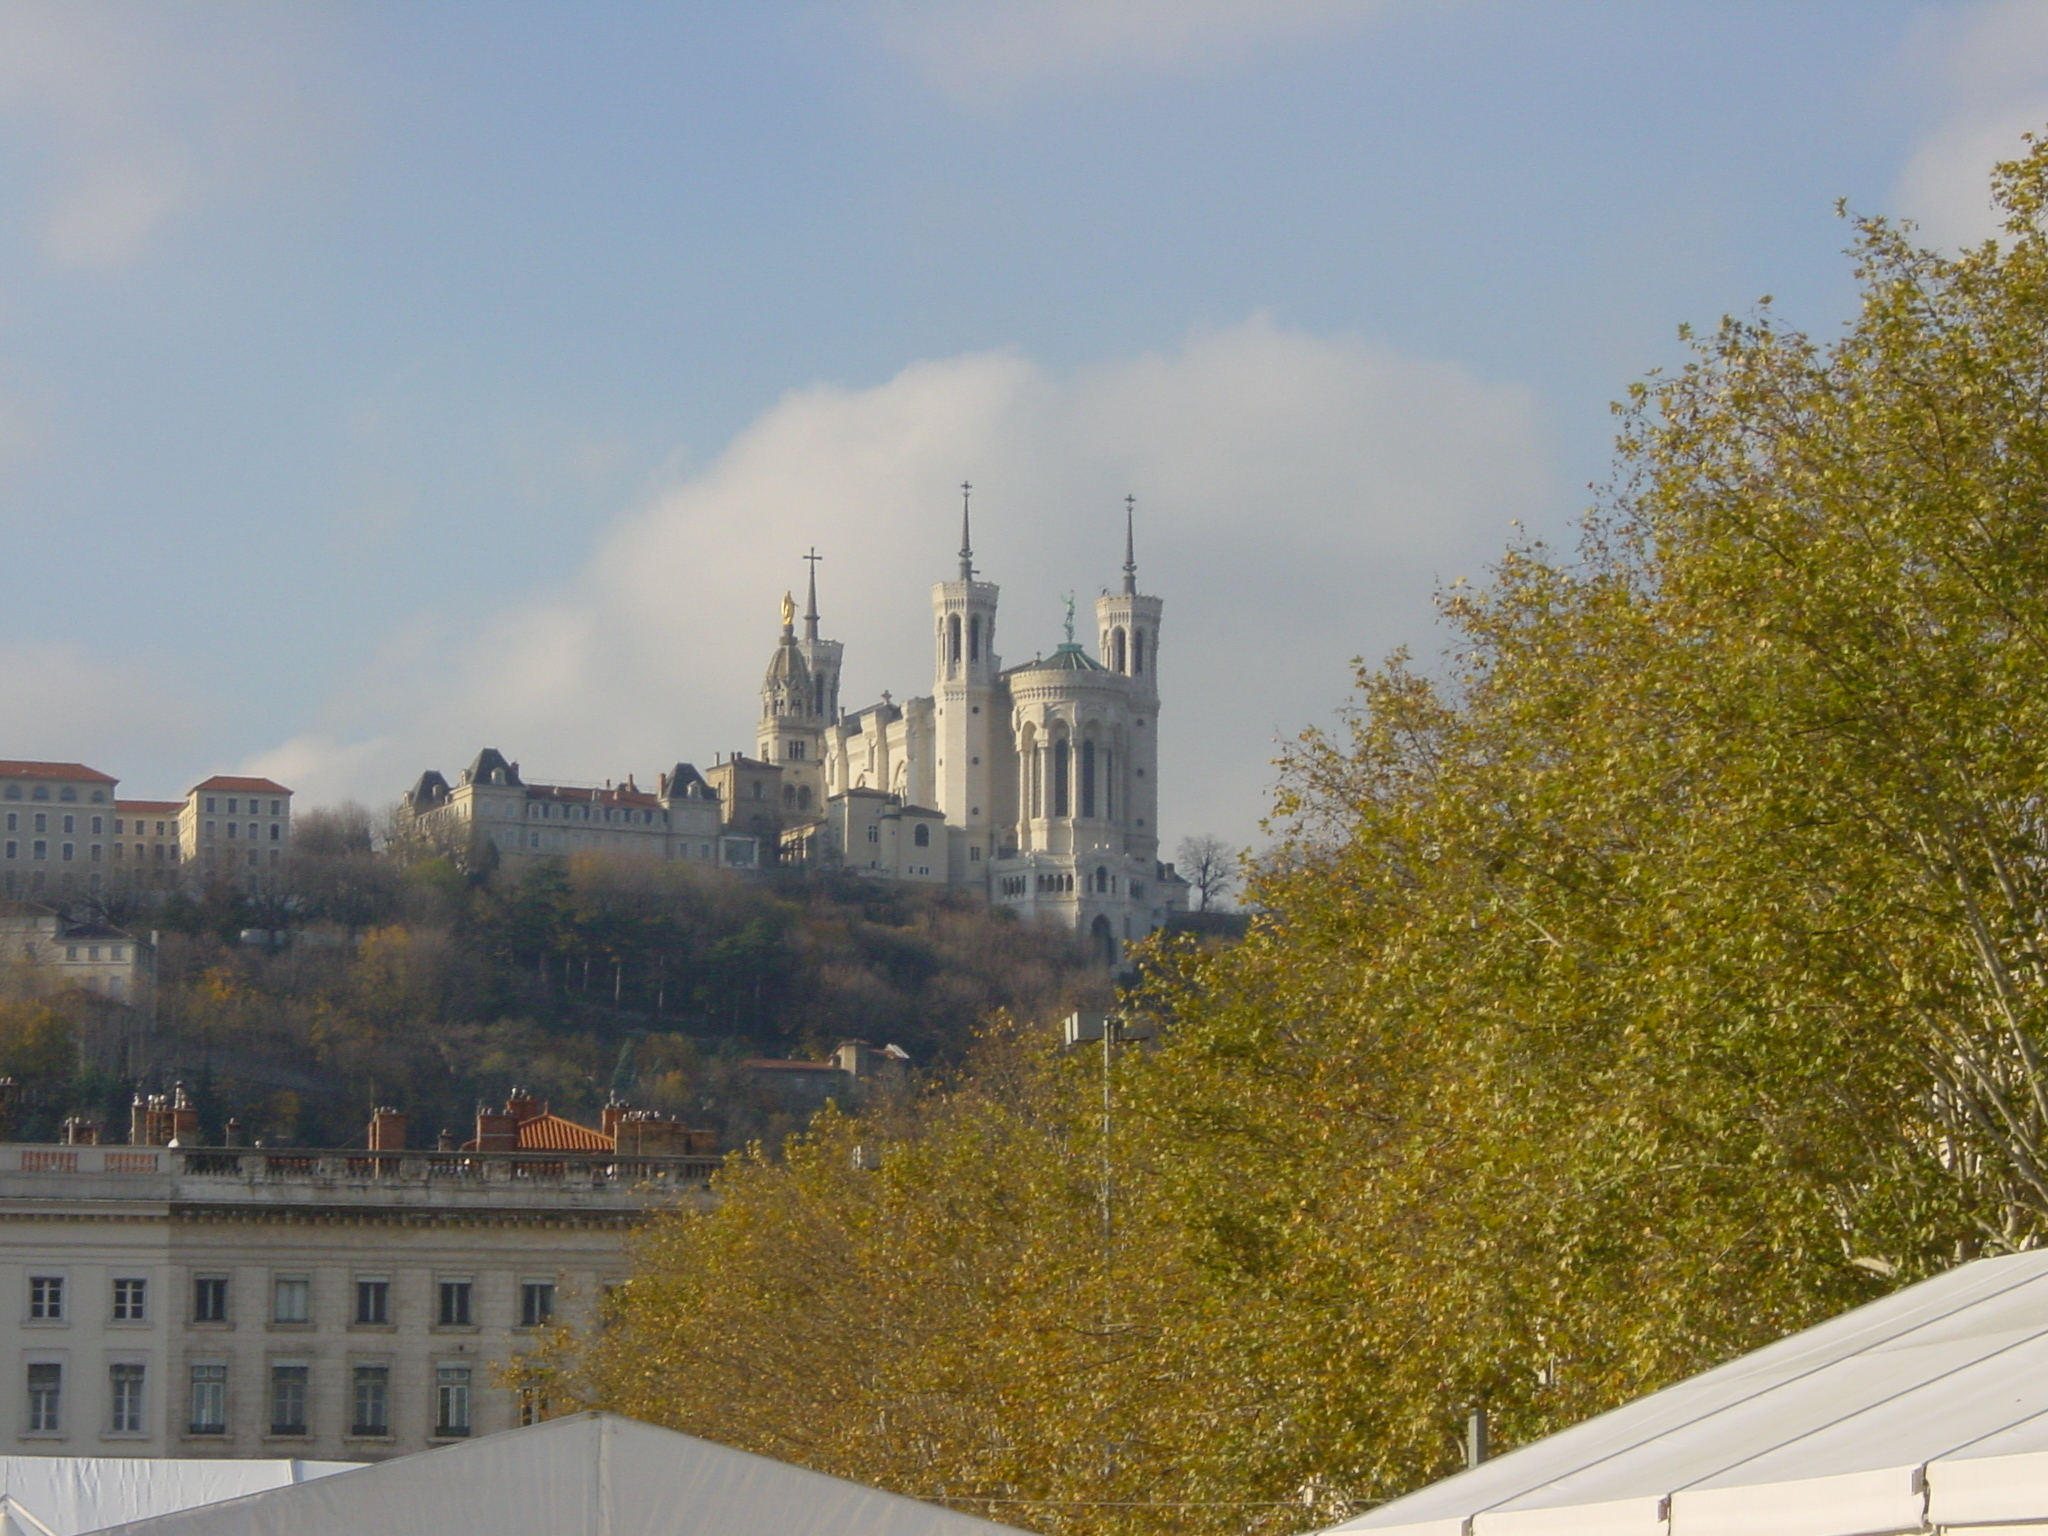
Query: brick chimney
{"points": [[81, 1131], [182, 1119], [609, 1117], [521, 1105], [497, 1130], [387, 1130]]}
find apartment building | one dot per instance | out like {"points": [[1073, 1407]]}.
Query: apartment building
{"points": [[168, 1300]]}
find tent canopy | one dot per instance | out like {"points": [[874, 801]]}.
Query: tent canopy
{"points": [[64, 1495], [1927, 1410], [591, 1474]]}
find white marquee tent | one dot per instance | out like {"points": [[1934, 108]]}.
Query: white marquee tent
{"points": [[591, 1474], [64, 1495], [1926, 1411]]}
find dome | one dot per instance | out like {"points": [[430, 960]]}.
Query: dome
{"points": [[1068, 658]]}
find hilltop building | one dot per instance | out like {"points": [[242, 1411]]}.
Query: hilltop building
{"points": [[490, 805], [1036, 785], [63, 831]]}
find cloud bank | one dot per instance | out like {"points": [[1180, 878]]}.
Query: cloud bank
{"points": [[1298, 498], [1990, 79]]}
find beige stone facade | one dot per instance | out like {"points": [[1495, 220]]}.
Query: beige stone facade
{"points": [[165, 1301], [491, 805]]}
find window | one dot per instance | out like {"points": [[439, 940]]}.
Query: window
{"points": [[277, 831], [455, 1295], [46, 1298], [288, 1398], [277, 808], [923, 835], [70, 824], [42, 792], [232, 829], [42, 851], [124, 1399], [292, 1297], [69, 850], [1138, 653], [1059, 778], [117, 953], [14, 821], [129, 1296], [372, 1401], [232, 803], [1087, 778], [209, 1410], [98, 825], [451, 1400], [210, 1298], [14, 791], [536, 1303], [13, 850], [373, 1301], [874, 836], [209, 805], [42, 821], [45, 1399], [67, 793]]}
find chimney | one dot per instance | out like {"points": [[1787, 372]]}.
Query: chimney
{"points": [[496, 1130], [81, 1131], [181, 1119], [138, 1122], [609, 1117], [231, 1133], [521, 1105], [387, 1130], [445, 1142]]}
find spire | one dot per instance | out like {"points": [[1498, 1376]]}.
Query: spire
{"points": [[811, 610], [966, 537], [1130, 547]]}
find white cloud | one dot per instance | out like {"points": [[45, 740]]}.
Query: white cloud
{"points": [[137, 113], [1990, 82], [993, 48], [1299, 496], [55, 698]]}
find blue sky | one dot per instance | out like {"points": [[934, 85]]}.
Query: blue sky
{"points": [[379, 382]]}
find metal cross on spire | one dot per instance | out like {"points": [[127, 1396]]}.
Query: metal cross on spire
{"points": [[966, 538], [1130, 547]]}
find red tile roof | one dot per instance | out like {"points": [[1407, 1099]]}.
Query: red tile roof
{"points": [[551, 1133], [14, 770], [151, 807], [229, 781]]}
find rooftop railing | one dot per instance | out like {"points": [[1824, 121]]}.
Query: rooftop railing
{"points": [[301, 1166]]}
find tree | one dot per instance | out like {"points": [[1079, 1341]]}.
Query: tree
{"points": [[1207, 864]]}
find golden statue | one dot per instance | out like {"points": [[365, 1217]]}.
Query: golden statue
{"points": [[788, 611]]}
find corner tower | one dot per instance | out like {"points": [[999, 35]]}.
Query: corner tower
{"points": [[964, 686], [1129, 626]]}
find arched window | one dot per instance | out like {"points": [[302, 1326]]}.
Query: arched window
{"points": [[1087, 778], [1116, 650], [803, 797], [952, 643], [1059, 778], [1137, 651], [1104, 940], [1101, 878], [923, 835], [974, 638], [1108, 785]]}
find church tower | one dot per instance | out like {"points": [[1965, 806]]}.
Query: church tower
{"points": [[792, 729], [964, 691], [1129, 627], [821, 656]]}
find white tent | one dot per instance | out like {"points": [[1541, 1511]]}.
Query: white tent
{"points": [[64, 1495], [591, 1474], [1926, 1411]]}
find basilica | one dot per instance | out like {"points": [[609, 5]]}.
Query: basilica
{"points": [[1036, 785]]}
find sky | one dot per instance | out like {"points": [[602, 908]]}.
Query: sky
{"points": [[382, 382]]}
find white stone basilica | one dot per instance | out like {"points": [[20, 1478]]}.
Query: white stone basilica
{"points": [[1036, 785]]}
